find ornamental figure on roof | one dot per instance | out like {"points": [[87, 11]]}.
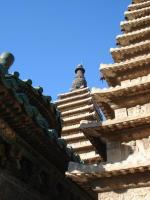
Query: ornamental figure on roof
{"points": [[80, 81], [6, 60]]}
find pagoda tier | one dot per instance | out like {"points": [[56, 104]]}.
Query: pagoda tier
{"points": [[139, 1], [137, 6], [131, 58], [133, 37], [130, 94], [124, 107], [134, 14], [135, 24], [117, 73], [128, 52], [74, 107], [101, 178], [72, 93], [123, 130]]}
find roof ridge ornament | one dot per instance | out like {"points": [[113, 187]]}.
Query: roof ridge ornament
{"points": [[6, 60]]}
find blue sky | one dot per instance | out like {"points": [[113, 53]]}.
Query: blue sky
{"points": [[50, 37]]}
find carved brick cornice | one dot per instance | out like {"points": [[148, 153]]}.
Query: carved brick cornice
{"points": [[111, 71], [74, 104], [137, 6], [75, 92], [123, 130], [133, 37], [110, 177], [131, 51], [130, 88], [72, 98], [78, 118], [139, 1], [137, 13], [135, 24], [77, 110]]}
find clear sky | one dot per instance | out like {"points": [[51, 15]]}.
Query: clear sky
{"points": [[50, 37]]}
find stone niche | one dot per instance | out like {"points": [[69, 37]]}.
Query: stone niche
{"points": [[129, 194], [133, 150]]}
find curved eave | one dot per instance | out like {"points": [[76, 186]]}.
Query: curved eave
{"points": [[72, 128], [73, 98], [106, 170], [75, 111], [123, 130], [110, 70], [104, 95], [139, 1], [127, 38], [120, 54], [78, 118], [134, 24], [137, 6], [74, 104], [130, 15], [99, 175], [72, 93]]}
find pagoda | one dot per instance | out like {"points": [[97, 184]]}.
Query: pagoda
{"points": [[77, 105], [126, 107]]}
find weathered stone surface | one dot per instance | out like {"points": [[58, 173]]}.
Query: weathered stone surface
{"points": [[121, 113], [130, 194], [137, 150], [139, 110]]}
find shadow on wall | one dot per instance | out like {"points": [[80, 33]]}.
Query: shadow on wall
{"points": [[117, 152]]}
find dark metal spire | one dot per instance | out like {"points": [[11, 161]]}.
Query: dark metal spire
{"points": [[79, 81]]}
